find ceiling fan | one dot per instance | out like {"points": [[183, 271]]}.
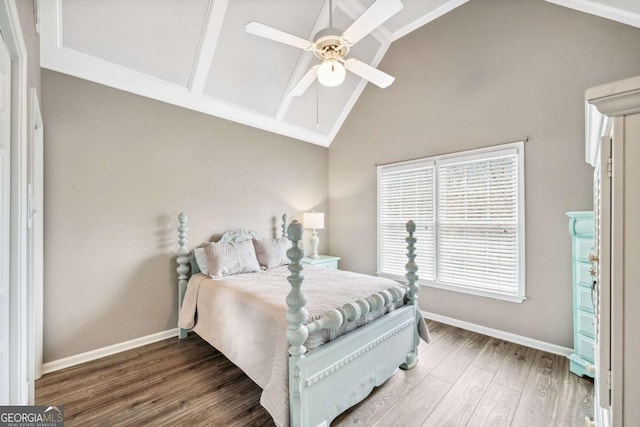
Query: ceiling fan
{"points": [[331, 45]]}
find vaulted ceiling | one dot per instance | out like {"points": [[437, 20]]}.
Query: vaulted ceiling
{"points": [[197, 54]]}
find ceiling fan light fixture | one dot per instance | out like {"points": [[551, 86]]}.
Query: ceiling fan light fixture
{"points": [[331, 73]]}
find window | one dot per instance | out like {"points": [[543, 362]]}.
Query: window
{"points": [[469, 213]]}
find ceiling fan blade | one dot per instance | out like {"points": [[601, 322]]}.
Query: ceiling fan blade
{"points": [[367, 72], [306, 81], [371, 19], [271, 33]]}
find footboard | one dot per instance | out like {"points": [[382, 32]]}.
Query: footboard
{"points": [[343, 372]]}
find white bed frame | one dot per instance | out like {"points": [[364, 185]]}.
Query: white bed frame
{"points": [[340, 373]]}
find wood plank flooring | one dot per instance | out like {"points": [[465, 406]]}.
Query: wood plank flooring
{"points": [[462, 379]]}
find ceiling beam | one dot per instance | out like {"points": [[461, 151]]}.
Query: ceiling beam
{"points": [[425, 19], [604, 11], [303, 64], [207, 47]]}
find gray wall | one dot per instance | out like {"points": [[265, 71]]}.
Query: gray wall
{"points": [[489, 72], [118, 170]]}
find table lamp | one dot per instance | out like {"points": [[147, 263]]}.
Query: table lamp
{"points": [[313, 221]]}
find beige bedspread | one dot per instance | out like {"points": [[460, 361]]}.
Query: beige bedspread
{"points": [[243, 316]]}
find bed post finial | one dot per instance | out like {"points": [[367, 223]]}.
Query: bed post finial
{"points": [[285, 223], [183, 263], [411, 267]]}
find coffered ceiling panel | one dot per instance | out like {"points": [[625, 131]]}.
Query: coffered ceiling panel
{"points": [[123, 32], [252, 71]]}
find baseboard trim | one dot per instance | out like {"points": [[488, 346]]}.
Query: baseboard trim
{"points": [[496, 333], [88, 356]]}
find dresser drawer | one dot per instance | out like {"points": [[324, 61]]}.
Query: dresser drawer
{"points": [[584, 298], [323, 261], [583, 248], [586, 348], [583, 273], [586, 323], [329, 264]]}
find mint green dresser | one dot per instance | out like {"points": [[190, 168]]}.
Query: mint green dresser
{"points": [[582, 360]]}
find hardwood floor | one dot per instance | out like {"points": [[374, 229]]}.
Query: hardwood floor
{"points": [[462, 379]]}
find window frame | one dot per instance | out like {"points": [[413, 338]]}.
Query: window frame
{"points": [[518, 295]]}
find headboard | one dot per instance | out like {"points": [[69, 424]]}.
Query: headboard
{"points": [[231, 236]]}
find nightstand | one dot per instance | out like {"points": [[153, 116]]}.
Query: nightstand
{"points": [[325, 261]]}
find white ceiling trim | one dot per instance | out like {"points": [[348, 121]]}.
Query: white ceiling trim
{"points": [[97, 70], [208, 43], [303, 64], [601, 10], [354, 9], [423, 20]]}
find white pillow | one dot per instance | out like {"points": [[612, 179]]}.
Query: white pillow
{"points": [[272, 253], [224, 259], [201, 259]]}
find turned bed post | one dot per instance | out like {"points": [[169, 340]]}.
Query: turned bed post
{"points": [[297, 332], [411, 267], [412, 293], [183, 264]]}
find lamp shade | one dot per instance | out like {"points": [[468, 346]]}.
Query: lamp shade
{"points": [[313, 220]]}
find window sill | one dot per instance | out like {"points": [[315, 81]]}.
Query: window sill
{"points": [[477, 292]]}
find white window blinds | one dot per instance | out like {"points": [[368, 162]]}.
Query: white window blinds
{"points": [[406, 193], [478, 223], [468, 209]]}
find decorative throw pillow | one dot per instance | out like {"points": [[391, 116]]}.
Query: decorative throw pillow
{"points": [[224, 259], [272, 253], [201, 259]]}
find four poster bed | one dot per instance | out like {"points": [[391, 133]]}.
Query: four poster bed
{"points": [[313, 359]]}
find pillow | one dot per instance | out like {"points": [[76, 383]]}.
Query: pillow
{"points": [[201, 259], [272, 252], [224, 259]]}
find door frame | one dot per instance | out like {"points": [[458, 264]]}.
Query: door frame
{"points": [[35, 223], [20, 383]]}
